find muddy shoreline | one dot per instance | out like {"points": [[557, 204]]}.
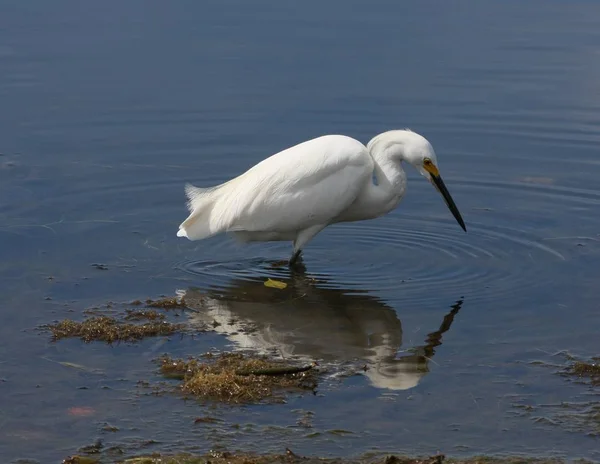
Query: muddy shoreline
{"points": [[289, 457]]}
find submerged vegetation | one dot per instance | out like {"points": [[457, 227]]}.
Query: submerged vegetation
{"points": [[130, 325], [585, 369], [291, 458], [110, 329], [225, 377], [235, 378], [167, 303], [582, 416]]}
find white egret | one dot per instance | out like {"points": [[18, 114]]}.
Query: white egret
{"points": [[296, 193]]}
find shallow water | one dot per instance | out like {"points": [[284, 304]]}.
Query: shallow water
{"points": [[106, 110]]}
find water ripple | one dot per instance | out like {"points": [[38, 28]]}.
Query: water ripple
{"points": [[414, 254], [417, 256], [409, 253]]}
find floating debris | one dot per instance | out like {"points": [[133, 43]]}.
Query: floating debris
{"points": [[206, 420], [110, 428], [583, 369], [109, 329], [167, 303], [581, 415], [80, 460], [275, 284], [150, 315], [94, 448], [235, 378], [292, 458], [100, 267], [120, 322], [80, 367], [575, 367]]}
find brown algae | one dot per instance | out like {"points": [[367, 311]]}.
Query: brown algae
{"points": [[583, 369], [235, 378], [80, 460], [579, 416], [150, 315], [291, 458], [110, 324], [167, 303], [109, 329], [575, 367]]}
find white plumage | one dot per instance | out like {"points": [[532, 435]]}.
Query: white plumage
{"points": [[296, 193]]}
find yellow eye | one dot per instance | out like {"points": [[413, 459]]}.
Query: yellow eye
{"points": [[427, 162]]}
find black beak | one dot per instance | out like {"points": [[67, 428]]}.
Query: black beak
{"points": [[441, 187]]}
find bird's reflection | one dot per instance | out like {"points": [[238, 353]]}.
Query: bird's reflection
{"points": [[310, 319]]}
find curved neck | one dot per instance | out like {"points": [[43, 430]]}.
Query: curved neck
{"points": [[388, 173], [382, 193]]}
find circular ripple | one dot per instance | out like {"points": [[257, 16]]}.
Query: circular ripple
{"points": [[418, 257], [229, 261], [429, 257], [415, 256]]}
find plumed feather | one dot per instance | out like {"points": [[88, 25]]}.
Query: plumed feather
{"points": [[302, 186], [200, 204]]}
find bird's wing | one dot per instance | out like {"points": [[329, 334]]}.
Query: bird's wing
{"points": [[308, 184]]}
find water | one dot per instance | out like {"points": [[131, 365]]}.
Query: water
{"points": [[107, 109]]}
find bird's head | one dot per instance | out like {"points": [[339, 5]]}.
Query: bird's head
{"points": [[406, 145]]}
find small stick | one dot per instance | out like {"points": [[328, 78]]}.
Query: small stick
{"points": [[275, 370]]}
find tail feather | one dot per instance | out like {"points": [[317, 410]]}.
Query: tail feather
{"points": [[200, 204], [196, 196]]}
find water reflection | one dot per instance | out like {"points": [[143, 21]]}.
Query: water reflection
{"points": [[310, 321]]}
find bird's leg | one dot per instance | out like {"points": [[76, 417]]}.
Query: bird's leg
{"points": [[297, 267], [303, 237], [295, 257]]}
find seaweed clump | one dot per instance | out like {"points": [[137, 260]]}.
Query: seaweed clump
{"points": [[109, 329], [581, 416], [80, 460], [150, 315], [167, 303], [235, 378], [110, 324], [590, 370], [291, 458]]}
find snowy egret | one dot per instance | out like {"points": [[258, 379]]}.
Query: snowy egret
{"points": [[296, 193]]}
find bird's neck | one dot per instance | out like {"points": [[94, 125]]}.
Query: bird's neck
{"points": [[382, 194], [389, 183], [389, 176]]}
